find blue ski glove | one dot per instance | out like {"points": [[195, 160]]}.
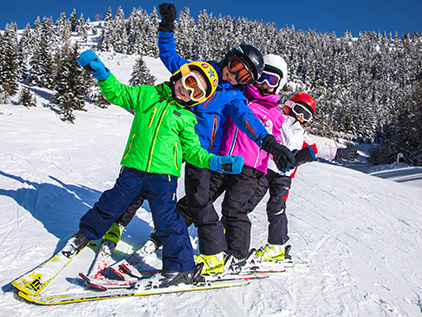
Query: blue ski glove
{"points": [[231, 164], [91, 63]]}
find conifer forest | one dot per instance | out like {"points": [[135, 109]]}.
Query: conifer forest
{"points": [[367, 86]]}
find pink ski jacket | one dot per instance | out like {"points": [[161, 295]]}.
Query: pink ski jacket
{"points": [[236, 142]]}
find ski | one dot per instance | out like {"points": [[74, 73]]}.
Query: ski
{"points": [[106, 284], [102, 260], [273, 266], [33, 282], [126, 268], [108, 294]]}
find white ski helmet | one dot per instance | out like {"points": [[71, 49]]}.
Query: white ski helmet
{"points": [[276, 64]]}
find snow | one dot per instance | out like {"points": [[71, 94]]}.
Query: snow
{"points": [[359, 229]]}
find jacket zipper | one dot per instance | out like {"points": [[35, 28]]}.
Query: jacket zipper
{"points": [[130, 145], [155, 137], [233, 141], [152, 117], [213, 132], [175, 155]]}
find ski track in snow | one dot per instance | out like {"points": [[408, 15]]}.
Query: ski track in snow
{"points": [[361, 234]]}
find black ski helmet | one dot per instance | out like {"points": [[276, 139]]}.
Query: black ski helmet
{"points": [[248, 54]]}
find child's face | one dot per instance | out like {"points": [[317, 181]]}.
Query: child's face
{"points": [[185, 94], [264, 88], [227, 76]]}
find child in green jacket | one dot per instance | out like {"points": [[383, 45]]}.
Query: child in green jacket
{"points": [[162, 134]]}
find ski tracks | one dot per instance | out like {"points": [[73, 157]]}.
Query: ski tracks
{"points": [[228, 304]]}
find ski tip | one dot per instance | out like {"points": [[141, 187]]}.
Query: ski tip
{"points": [[84, 277], [30, 288], [120, 275]]}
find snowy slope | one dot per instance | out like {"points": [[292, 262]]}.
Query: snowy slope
{"points": [[362, 234]]}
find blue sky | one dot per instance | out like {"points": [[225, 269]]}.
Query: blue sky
{"points": [[323, 16]]}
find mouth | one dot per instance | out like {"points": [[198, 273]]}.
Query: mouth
{"points": [[181, 93]]}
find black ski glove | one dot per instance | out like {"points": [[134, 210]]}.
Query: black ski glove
{"points": [[168, 15], [349, 153], [304, 155], [282, 156]]}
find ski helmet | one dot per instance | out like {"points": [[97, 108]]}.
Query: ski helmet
{"points": [[304, 100], [250, 56], [208, 73], [274, 64]]}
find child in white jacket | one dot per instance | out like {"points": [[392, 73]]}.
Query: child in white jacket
{"points": [[298, 110]]}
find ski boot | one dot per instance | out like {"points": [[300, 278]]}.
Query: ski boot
{"points": [[75, 244], [212, 264], [114, 233], [152, 244], [169, 277], [235, 266], [273, 252]]}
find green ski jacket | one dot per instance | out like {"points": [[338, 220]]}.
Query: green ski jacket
{"points": [[162, 132]]}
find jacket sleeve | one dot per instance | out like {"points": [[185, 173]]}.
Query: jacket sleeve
{"points": [[244, 118], [123, 95], [322, 151], [168, 55], [193, 153]]}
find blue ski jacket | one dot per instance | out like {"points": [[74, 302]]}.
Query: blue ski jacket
{"points": [[211, 114]]}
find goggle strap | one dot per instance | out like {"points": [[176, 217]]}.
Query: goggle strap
{"points": [[185, 70]]}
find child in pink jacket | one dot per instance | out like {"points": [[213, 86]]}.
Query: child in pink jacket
{"points": [[262, 99]]}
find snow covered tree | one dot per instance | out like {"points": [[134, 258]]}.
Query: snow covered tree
{"points": [[105, 42], [70, 90], [136, 32], [141, 75], [41, 62], [82, 28], [183, 34], [9, 61], [26, 98], [63, 29], [73, 19]]}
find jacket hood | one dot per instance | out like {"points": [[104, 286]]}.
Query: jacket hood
{"points": [[252, 93]]}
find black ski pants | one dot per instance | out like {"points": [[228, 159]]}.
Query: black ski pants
{"points": [[279, 187], [202, 188]]}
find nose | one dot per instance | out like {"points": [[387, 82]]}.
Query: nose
{"points": [[232, 78]]}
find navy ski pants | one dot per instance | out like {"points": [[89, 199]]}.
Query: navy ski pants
{"points": [[160, 190]]}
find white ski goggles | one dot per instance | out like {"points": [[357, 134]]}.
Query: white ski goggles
{"points": [[299, 109], [273, 80], [192, 83]]}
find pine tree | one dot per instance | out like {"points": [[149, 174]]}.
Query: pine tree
{"points": [[41, 62], [105, 42], [82, 28], [9, 61], [136, 32], [26, 98], [120, 42], [141, 75], [70, 89], [73, 19]]}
